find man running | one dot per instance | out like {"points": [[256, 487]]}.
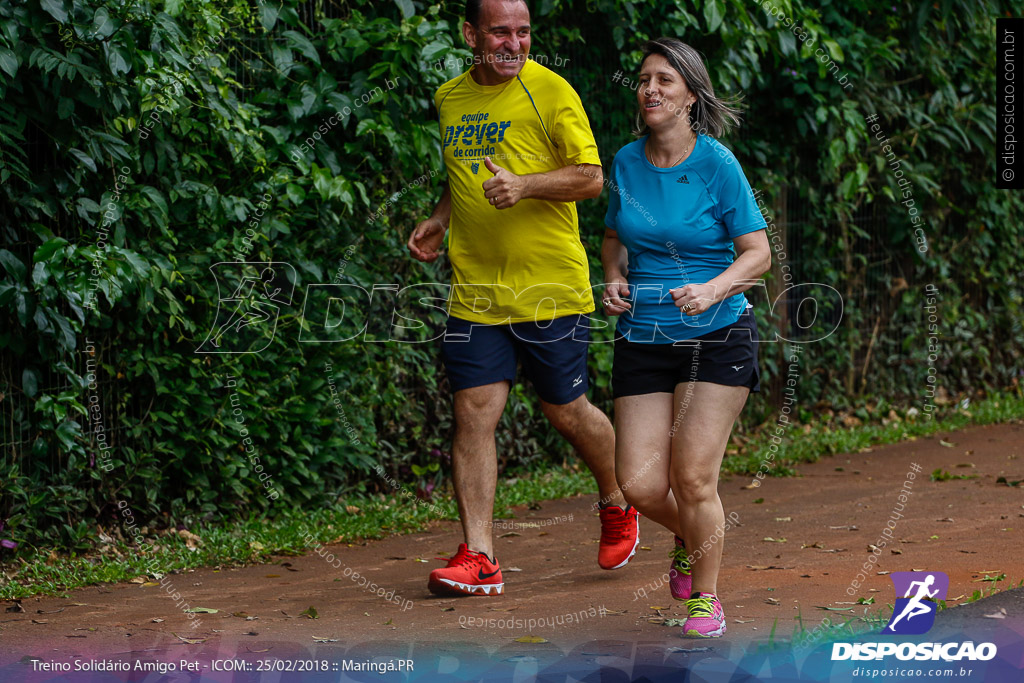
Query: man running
{"points": [[519, 152]]}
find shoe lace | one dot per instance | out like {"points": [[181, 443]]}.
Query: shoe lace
{"points": [[700, 607], [680, 559], [468, 558], [614, 528]]}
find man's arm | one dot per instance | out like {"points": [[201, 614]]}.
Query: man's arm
{"points": [[566, 184], [427, 237]]}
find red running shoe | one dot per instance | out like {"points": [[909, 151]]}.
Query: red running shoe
{"points": [[468, 573], [620, 536]]}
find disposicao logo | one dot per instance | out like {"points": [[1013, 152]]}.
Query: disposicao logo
{"points": [[914, 614]]}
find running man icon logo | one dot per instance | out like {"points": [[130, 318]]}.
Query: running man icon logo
{"points": [[914, 613], [249, 300]]}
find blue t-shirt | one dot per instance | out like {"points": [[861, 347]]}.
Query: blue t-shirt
{"points": [[678, 225]]}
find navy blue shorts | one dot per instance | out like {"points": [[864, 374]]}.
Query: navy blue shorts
{"points": [[553, 354], [725, 356]]}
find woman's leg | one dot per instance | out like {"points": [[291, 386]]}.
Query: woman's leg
{"points": [[697, 449], [642, 446]]}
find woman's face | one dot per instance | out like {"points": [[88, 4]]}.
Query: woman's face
{"points": [[662, 94]]}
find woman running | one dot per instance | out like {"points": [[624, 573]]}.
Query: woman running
{"points": [[685, 238]]}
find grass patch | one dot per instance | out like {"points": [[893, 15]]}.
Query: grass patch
{"points": [[255, 540]]}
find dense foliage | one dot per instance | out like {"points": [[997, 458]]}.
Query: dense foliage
{"points": [[145, 142]]}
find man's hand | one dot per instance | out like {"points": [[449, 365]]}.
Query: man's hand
{"points": [[505, 189], [694, 299], [426, 239], [615, 293]]}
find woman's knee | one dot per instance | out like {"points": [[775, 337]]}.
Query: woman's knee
{"points": [[694, 487], [641, 495]]}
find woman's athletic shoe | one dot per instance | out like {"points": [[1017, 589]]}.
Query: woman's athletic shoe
{"points": [[707, 618], [468, 573], [680, 582], [620, 535]]}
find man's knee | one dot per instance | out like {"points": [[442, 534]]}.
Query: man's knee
{"points": [[480, 407], [567, 418]]}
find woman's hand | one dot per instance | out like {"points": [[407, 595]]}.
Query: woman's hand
{"points": [[615, 293], [694, 299]]}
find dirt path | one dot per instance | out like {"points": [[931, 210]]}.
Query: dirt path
{"points": [[828, 517]]}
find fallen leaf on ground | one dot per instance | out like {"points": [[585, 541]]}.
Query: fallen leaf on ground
{"points": [[394, 557], [40, 621], [783, 519], [654, 607], [743, 621], [447, 609], [816, 544], [200, 610], [769, 539], [644, 547], [531, 639], [240, 614], [250, 650], [771, 601], [615, 611], [322, 639], [158, 621], [500, 609], [309, 612], [16, 607], [150, 584], [50, 611], [895, 551], [945, 519], [1001, 614], [288, 566], [272, 576], [420, 559], [513, 569], [509, 533], [673, 622], [835, 609], [947, 444], [190, 641]]}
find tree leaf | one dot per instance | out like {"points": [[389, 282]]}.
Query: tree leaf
{"points": [[15, 268], [55, 9], [8, 61], [406, 7], [30, 382]]}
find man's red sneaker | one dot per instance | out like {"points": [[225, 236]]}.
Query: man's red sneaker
{"points": [[468, 573], [620, 536]]}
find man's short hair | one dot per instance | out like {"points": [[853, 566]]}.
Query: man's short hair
{"points": [[473, 11]]}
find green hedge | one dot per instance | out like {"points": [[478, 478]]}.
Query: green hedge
{"points": [[142, 140]]}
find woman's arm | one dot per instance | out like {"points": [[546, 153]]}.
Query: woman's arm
{"points": [[753, 259], [615, 260]]}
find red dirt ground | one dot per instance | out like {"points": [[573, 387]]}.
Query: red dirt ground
{"points": [[828, 516]]}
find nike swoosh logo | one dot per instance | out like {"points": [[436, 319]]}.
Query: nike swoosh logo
{"points": [[480, 574]]}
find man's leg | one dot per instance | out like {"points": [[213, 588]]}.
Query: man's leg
{"points": [[590, 432], [475, 460]]}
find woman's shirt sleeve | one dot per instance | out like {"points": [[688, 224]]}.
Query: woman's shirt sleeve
{"points": [[735, 206]]}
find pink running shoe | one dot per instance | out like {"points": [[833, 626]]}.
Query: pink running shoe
{"points": [[707, 618], [680, 582]]}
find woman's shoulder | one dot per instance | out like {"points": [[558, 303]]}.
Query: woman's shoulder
{"points": [[630, 152], [717, 154]]}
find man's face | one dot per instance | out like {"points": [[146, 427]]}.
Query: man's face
{"points": [[501, 42]]}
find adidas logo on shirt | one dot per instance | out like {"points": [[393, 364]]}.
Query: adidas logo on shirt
{"points": [[682, 179]]}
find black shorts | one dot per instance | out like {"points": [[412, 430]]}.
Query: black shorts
{"points": [[726, 356], [553, 354]]}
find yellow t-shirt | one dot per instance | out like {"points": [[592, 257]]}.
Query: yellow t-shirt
{"points": [[526, 262]]}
